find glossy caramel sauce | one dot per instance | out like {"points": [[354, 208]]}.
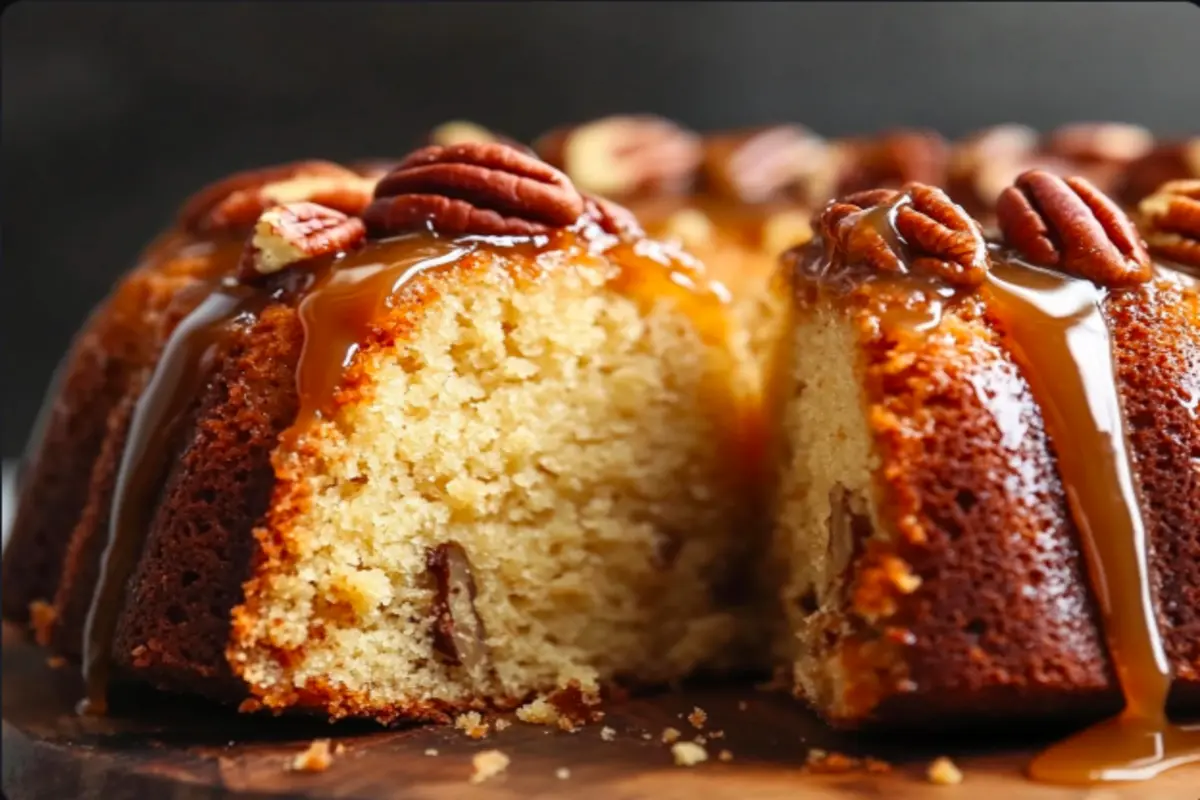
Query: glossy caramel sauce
{"points": [[1056, 331], [339, 300], [1054, 327]]}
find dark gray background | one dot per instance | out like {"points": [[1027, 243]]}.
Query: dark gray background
{"points": [[113, 112]]}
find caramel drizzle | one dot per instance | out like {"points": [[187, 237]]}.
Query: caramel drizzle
{"points": [[338, 300], [157, 418], [1056, 330]]}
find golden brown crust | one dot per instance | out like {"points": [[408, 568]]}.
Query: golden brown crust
{"points": [[1002, 623], [1001, 620], [117, 342], [1157, 338], [175, 623]]}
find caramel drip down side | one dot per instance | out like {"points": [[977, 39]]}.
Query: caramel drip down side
{"points": [[1055, 328], [157, 419]]}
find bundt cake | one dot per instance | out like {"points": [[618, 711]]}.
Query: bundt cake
{"points": [[425, 434], [394, 449], [965, 432]]}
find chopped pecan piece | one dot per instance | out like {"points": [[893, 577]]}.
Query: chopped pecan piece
{"points": [[288, 234], [483, 189], [1069, 224]]}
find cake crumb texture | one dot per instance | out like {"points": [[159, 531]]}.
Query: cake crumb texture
{"points": [[559, 445], [688, 754], [316, 758], [487, 765]]}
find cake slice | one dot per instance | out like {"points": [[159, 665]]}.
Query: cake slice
{"points": [[934, 567], [490, 442]]}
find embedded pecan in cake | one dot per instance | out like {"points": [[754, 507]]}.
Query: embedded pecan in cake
{"points": [[458, 634], [1171, 222], [485, 189], [1069, 224], [915, 229]]}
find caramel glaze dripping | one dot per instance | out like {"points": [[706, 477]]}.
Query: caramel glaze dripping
{"points": [[1055, 329], [338, 299]]}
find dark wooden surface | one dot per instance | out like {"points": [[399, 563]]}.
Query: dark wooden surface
{"points": [[159, 747]]}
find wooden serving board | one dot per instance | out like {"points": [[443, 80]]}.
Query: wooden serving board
{"points": [[180, 749]]}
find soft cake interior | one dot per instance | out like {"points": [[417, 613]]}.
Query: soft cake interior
{"points": [[543, 485], [825, 508]]}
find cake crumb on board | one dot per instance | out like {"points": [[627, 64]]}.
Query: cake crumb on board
{"points": [[688, 754], [538, 712], [670, 735], [698, 717], [944, 772], [502, 724], [725, 756], [472, 724], [316, 758], [562, 773], [431, 751], [608, 734], [488, 764]]}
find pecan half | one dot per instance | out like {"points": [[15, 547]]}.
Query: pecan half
{"points": [[916, 229], [895, 158], [1100, 142], [1171, 222], [458, 634], [984, 164], [1170, 161], [485, 189], [1069, 224], [287, 234], [753, 166], [623, 155], [1099, 151], [236, 202]]}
